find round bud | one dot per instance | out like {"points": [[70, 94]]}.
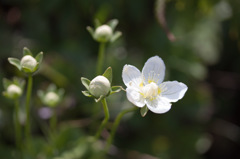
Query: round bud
{"points": [[14, 91], [28, 62], [51, 99], [103, 33], [99, 86]]}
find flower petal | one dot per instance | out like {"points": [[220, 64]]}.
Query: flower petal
{"points": [[154, 70], [173, 90], [131, 76], [135, 97], [158, 105]]}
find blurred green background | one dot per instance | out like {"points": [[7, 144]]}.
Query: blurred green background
{"points": [[198, 41]]}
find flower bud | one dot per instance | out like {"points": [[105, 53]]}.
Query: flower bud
{"points": [[103, 33], [28, 62], [99, 86], [51, 99], [14, 91]]}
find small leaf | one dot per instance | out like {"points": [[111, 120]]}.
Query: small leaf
{"points": [[61, 92], [40, 94], [39, 57], [115, 36], [100, 98], [144, 111], [52, 88], [108, 74], [97, 23], [116, 89], [15, 62], [113, 23], [87, 93], [85, 82], [27, 70], [6, 83], [19, 82], [91, 31], [26, 51]]}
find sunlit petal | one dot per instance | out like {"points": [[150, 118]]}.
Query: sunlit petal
{"points": [[158, 105], [154, 70], [173, 90], [131, 76], [135, 97]]}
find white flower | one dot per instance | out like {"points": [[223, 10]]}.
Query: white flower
{"points": [[99, 86], [103, 33], [28, 62], [148, 88], [14, 91]]}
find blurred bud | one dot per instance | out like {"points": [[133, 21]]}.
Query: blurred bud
{"points": [[103, 33], [14, 91], [99, 86], [28, 62], [51, 99]]}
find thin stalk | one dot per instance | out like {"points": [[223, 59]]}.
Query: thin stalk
{"points": [[17, 124], [115, 126], [28, 97], [53, 120], [104, 122], [100, 58]]}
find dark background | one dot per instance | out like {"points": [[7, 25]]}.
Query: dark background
{"points": [[205, 56]]}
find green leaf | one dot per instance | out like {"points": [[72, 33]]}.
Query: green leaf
{"points": [[108, 74], [19, 82], [85, 82], [113, 23], [15, 62], [87, 93], [39, 57], [116, 89], [6, 83], [115, 36], [144, 111], [26, 51], [41, 94], [91, 31]]}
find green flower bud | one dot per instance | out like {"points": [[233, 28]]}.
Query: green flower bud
{"points": [[51, 99], [14, 91], [28, 62], [99, 86], [103, 33]]}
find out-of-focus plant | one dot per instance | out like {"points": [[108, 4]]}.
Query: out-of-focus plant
{"points": [[51, 98], [103, 34], [14, 90]]}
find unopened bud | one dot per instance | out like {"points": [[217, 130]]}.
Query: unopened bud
{"points": [[14, 91], [28, 62], [99, 86], [51, 99], [103, 33]]}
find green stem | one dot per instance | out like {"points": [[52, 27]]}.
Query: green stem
{"points": [[104, 122], [53, 120], [17, 125], [28, 125], [100, 58], [115, 126]]}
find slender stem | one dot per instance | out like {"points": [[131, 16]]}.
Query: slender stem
{"points": [[53, 120], [17, 125], [115, 126], [29, 92], [104, 122], [100, 58]]}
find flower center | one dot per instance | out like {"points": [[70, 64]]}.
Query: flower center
{"points": [[150, 91]]}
